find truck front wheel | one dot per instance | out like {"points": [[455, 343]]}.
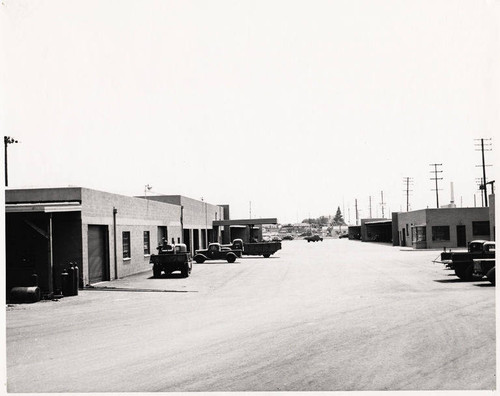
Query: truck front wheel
{"points": [[465, 273], [231, 258]]}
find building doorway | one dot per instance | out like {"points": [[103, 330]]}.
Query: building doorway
{"points": [[98, 257]]}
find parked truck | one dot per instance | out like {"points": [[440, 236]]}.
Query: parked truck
{"points": [[216, 251], [171, 258], [462, 262], [265, 249], [485, 266]]}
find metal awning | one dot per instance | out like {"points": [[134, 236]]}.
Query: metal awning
{"points": [[379, 222], [47, 207]]}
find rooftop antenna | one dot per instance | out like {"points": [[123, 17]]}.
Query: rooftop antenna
{"points": [[147, 188]]}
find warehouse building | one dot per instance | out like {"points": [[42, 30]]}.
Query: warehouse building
{"points": [[107, 235]]}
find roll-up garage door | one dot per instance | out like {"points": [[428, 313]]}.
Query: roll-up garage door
{"points": [[97, 253]]}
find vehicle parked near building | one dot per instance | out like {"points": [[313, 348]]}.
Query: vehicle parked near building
{"points": [[265, 249], [486, 266], [463, 261], [171, 258], [216, 251], [313, 238]]}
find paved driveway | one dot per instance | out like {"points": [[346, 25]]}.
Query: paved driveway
{"points": [[336, 315]]}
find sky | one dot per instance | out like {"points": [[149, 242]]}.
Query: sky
{"points": [[287, 109]]}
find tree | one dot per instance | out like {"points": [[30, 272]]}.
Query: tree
{"points": [[338, 219]]}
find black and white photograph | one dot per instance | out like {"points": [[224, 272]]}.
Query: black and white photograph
{"points": [[234, 196]]}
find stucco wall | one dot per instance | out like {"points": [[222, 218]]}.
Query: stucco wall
{"points": [[33, 195], [135, 215]]}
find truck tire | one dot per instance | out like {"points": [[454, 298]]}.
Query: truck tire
{"points": [[231, 257], [185, 271], [465, 273], [156, 271], [267, 255], [199, 259], [491, 276]]}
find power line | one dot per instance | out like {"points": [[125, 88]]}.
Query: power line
{"points": [[408, 180], [483, 149], [382, 203], [435, 178]]}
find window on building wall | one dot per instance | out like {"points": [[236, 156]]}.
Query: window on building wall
{"points": [[440, 233], [146, 242], [419, 234], [126, 244], [481, 228]]}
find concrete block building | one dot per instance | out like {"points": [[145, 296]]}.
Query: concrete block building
{"points": [[443, 227], [107, 235], [197, 219]]}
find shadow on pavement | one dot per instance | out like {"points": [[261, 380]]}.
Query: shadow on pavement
{"points": [[137, 290], [455, 280], [484, 285]]}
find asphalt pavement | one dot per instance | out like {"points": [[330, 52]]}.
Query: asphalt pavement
{"points": [[336, 315]]}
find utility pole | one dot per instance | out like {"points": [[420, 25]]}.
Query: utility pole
{"points": [[435, 178], [356, 206], [382, 203], [483, 185], [250, 210], [408, 181], [370, 205], [6, 141]]}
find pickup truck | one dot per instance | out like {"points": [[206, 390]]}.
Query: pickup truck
{"points": [[486, 266], [265, 249], [171, 258], [216, 251], [463, 261], [313, 238]]}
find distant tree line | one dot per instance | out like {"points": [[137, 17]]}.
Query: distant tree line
{"points": [[325, 221]]}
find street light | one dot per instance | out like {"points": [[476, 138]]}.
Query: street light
{"points": [[7, 140]]}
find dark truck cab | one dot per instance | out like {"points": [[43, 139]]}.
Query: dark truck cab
{"points": [[463, 261], [171, 258], [216, 251], [265, 249]]}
